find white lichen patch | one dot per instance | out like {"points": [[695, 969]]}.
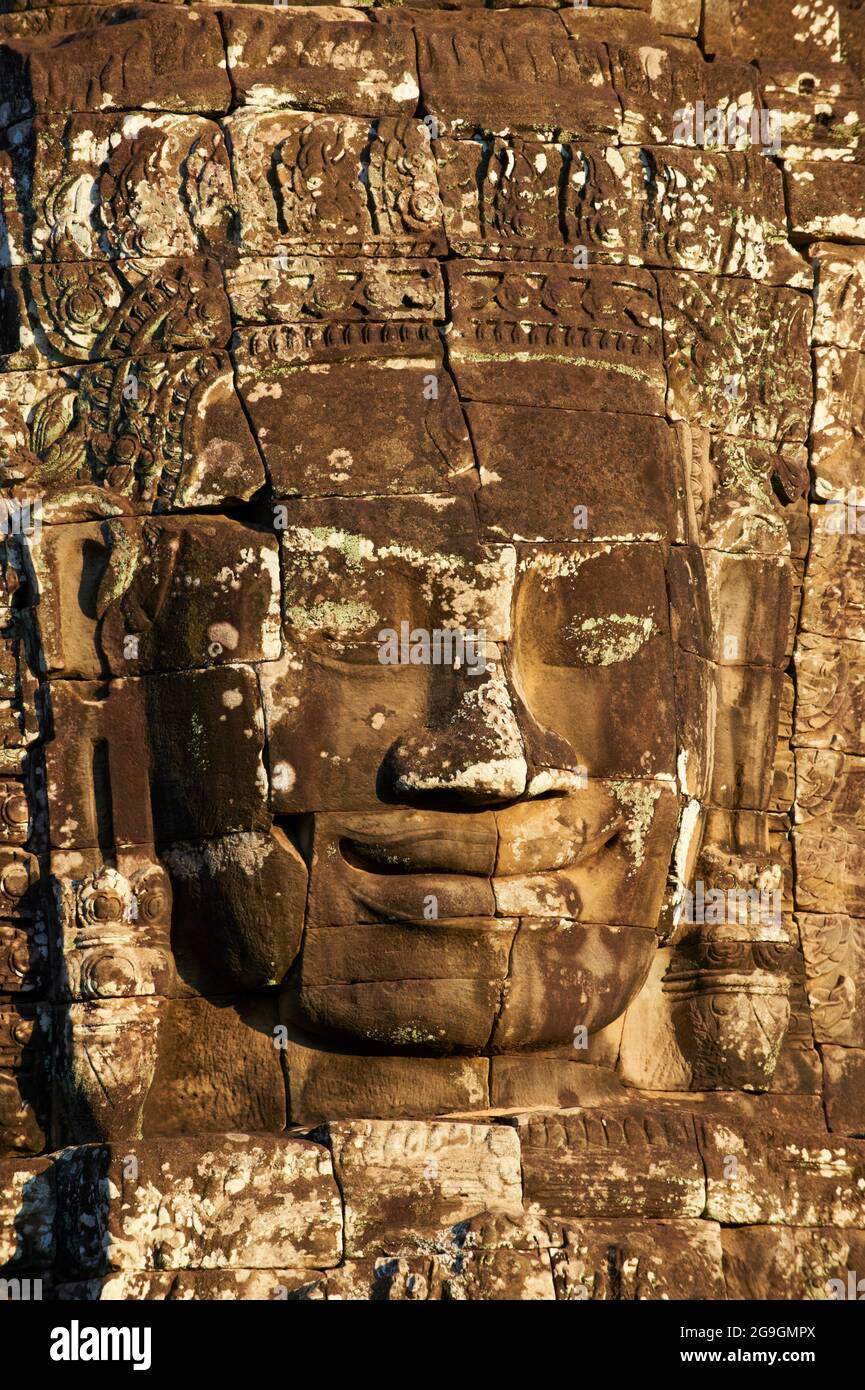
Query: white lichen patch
{"points": [[613, 638], [637, 801], [343, 617]]}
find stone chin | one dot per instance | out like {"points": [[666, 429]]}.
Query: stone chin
{"points": [[480, 986]]}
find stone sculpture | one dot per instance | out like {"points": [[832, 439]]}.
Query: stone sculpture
{"points": [[431, 844]]}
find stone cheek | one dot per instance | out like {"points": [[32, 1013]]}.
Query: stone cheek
{"points": [[430, 566]]}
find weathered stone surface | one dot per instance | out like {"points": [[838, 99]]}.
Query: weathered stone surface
{"points": [[546, 334], [195, 1285], [480, 74], [435, 989], [293, 289], [633, 1161], [679, 17], [747, 27], [325, 1085], [780, 1263], [218, 1069], [164, 594], [239, 904], [112, 925], [368, 711], [844, 1076], [702, 209], [659, 85], [315, 61], [839, 295], [28, 1214], [618, 500], [560, 962], [402, 1178], [756, 1177], [308, 182], [829, 834], [23, 957], [837, 450], [717, 335], [576, 672], [562, 1079], [106, 187], [746, 497], [163, 59], [500, 200], [83, 311], [816, 193], [830, 708], [346, 577], [632, 24], [833, 600], [816, 109], [834, 947], [239, 1201], [745, 594], [745, 737], [387, 411], [632, 1259], [158, 432], [166, 766], [25, 1041], [410, 608]]}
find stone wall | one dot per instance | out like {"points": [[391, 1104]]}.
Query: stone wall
{"points": [[272, 275]]}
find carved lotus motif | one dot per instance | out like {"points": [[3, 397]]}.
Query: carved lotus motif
{"points": [[110, 1052], [734, 1037]]}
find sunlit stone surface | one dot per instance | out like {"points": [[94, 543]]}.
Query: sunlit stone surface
{"points": [[432, 846]]}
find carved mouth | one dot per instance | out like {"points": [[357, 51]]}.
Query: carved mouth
{"points": [[424, 852], [412, 853], [569, 858]]}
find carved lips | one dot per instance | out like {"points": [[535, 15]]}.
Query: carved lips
{"points": [[575, 856]]}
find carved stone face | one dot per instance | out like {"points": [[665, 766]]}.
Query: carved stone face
{"points": [[490, 832], [414, 589]]}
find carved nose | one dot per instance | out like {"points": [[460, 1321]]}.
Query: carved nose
{"points": [[480, 746], [472, 748]]}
